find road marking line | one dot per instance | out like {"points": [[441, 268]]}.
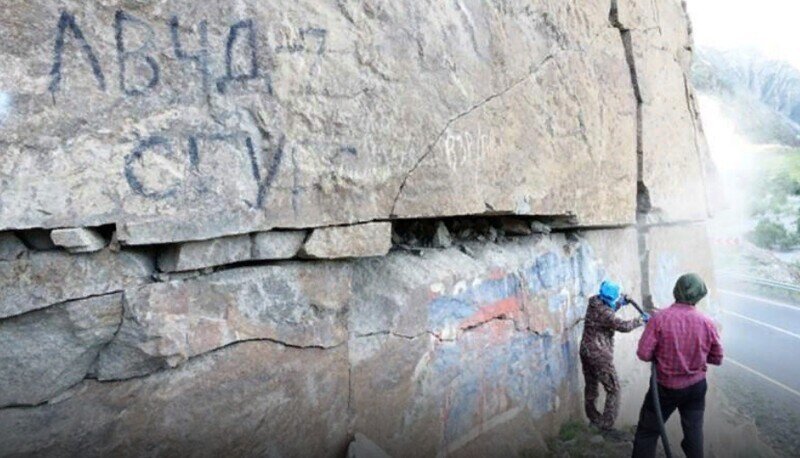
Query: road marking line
{"points": [[796, 336], [765, 377], [759, 299]]}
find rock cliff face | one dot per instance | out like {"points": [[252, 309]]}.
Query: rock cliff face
{"points": [[256, 228]]}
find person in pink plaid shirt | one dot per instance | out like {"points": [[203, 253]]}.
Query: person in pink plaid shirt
{"points": [[683, 342]]}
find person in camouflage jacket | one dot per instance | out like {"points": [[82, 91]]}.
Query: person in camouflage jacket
{"points": [[597, 352]]}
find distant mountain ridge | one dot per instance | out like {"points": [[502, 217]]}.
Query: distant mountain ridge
{"points": [[761, 95]]}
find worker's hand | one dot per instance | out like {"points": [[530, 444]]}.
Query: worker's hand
{"points": [[624, 300]]}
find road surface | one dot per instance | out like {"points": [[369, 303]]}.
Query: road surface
{"points": [[761, 371]]}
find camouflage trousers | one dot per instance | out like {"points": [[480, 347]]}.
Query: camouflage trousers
{"points": [[597, 373]]}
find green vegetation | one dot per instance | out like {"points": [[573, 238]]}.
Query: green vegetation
{"points": [[776, 200], [570, 430], [771, 235], [577, 439]]}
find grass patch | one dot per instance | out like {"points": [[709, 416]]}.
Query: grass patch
{"points": [[571, 430]]}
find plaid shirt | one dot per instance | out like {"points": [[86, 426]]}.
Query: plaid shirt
{"points": [[683, 342]]}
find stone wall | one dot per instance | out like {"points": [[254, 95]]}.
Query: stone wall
{"points": [[256, 228]]}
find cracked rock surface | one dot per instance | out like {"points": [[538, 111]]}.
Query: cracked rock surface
{"points": [[44, 278], [250, 399], [48, 351], [165, 324], [311, 115]]}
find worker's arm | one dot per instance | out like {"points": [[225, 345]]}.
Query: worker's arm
{"points": [[715, 354], [648, 342], [618, 324]]}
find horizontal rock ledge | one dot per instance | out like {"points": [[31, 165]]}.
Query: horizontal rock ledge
{"points": [[44, 278]]}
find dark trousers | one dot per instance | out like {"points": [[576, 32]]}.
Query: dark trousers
{"points": [[691, 404]]}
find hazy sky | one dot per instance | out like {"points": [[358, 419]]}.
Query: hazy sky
{"points": [[769, 26]]}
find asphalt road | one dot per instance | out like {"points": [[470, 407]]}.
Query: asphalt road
{"points": [[761, 371]]}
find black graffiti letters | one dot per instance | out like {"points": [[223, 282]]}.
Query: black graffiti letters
{"points": [[200, 57], [136, 57], [155, 60], [250, 58], [67, 21], [272, 170], [156, 170], [141, 50], [151, 145]]}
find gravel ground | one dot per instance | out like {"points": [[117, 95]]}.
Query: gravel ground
{"points": [[775, 411], [578, 440]]}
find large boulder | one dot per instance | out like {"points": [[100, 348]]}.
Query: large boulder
{"points": [[250, 399], [301, 114], [237, 133]]}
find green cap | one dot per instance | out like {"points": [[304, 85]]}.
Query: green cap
{"points": [[690, 289]]}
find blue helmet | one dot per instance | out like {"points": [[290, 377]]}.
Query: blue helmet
{"points": [[610, 293]]}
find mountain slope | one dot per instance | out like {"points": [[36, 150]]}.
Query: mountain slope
{"points": [[760, 95]]}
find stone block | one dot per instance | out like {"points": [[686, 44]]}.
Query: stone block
{"points": [[49, 277], [277, 244], [205, 253], [78, 239], [441, 238], [356, 241], [47, 351], [165, 324], [515, 226], [250, 399], [198, 122]]}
